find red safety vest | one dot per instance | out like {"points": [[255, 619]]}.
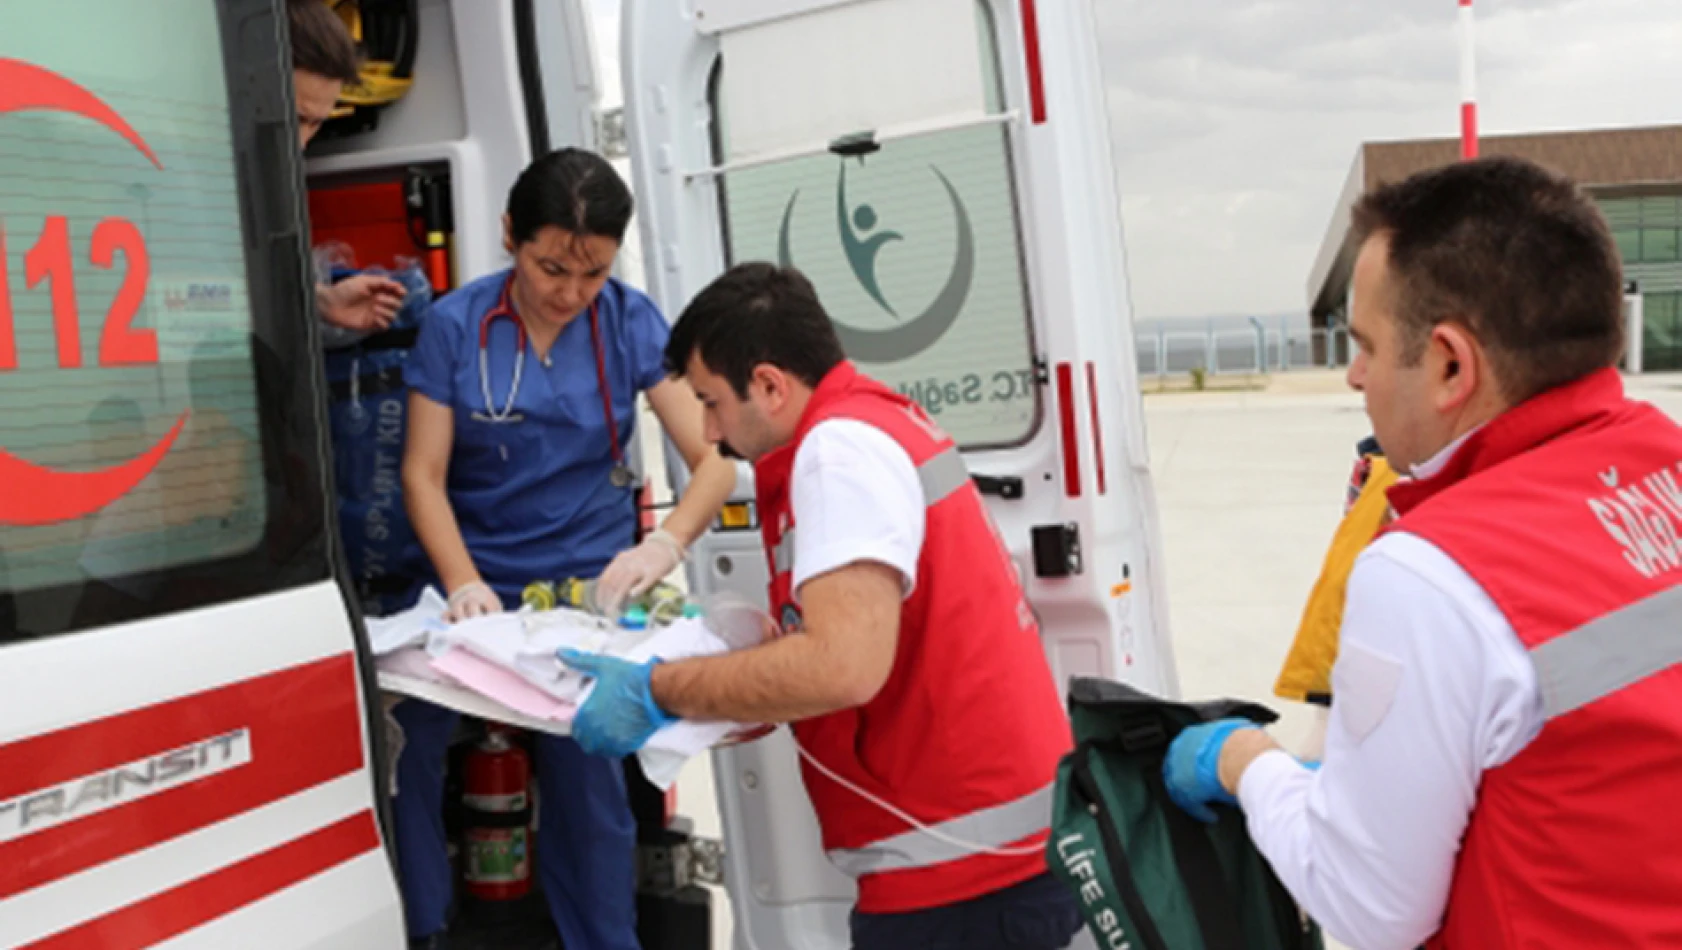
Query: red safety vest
{"points": [[967, 731], [1567, 511]]}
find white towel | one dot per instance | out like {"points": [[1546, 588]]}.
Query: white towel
{"points": [[409, 628], [524, 644], [667, 751]]}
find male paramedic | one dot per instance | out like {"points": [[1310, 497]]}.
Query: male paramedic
{"points": [[324, 60], [1504, 757], [910, 663]]}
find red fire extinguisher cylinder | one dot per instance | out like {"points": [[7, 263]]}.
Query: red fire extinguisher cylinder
{"points": [[496, 796]]}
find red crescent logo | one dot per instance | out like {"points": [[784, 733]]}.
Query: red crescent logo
{"points": [[34, 493], [25, 86]]}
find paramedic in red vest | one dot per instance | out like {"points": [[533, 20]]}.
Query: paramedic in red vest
{"points": [[910, 663], [1503, 764]]}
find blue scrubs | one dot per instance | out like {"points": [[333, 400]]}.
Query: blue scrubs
{"points": [[534, 500]]}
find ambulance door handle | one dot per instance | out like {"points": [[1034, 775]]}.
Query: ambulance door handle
{"points": [[1057, 550], [1008, 487]]}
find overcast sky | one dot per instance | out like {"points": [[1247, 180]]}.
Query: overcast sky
{"points": [[1236, 121]]}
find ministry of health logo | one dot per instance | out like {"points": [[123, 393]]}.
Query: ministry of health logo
{"points": [[911, 336]]}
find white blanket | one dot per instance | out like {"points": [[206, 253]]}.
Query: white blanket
{"points": [[523, 644]]}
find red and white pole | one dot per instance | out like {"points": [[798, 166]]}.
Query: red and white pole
{"points": [[1468, 84]]}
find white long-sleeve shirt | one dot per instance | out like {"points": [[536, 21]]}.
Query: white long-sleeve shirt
{"points": [[1432, 688]]}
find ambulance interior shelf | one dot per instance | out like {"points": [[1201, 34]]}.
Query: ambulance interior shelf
{"points": [[388, 33]]}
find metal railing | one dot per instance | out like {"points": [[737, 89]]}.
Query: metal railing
{"points": [[1241, 352]]}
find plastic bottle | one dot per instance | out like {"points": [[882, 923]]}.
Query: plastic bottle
{"points": [[660, 605], [539, 595]]}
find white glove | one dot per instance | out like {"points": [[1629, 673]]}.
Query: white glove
{"points": [[633, 572], [472, 599]]}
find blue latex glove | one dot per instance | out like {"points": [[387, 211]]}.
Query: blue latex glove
{"points": [[621, 714], [1191, 769]]}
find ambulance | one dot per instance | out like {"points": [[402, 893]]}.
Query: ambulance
{"points": [[192, 747]]}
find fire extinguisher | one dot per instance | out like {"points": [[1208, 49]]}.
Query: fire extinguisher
{"points": [[496, 835], [429, 208]]}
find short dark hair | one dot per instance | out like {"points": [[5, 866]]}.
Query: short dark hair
{"points": [[1518, 253], [756, 313], [571, 189], [320, 42]]}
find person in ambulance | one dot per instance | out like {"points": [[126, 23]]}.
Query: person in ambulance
{"points": [[911, 665], [324, 60], [1501, 764], [522, 407]]}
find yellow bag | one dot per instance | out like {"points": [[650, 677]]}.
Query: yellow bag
{"points": [[1308, 667]]}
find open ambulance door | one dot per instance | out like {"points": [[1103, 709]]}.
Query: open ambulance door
{"points": [[941, 170]]}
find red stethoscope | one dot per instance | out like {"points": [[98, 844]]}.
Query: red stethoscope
{"points": [[621, 476]]}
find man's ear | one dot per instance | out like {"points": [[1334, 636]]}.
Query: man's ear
{"points": [[1457, 363], [508, 234], [773, 382]]}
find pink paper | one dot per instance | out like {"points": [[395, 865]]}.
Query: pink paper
{"points": [[507, 688]]}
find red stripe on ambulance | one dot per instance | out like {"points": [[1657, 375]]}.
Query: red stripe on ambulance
{"points": [[302, 727], [202, 900]]}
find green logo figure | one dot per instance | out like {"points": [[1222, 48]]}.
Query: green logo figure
{"points": [[920, 332]]}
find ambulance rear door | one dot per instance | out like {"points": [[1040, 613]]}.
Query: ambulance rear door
{"points": [[941, 170], [185, 746]]}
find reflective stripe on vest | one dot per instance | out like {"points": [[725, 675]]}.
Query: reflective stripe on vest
{"points": [[1609, 653], [941, 475], [993, 827], [782, 557]]}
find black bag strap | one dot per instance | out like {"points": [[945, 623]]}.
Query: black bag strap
{"points": [[1200, 868], [402, 338], [1121, 870]]}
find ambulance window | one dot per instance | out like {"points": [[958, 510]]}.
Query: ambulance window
{"points": [[916, 253], [142, 470]]}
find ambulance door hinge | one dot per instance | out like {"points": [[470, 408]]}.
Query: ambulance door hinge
{"points": [[706, 861], [611, 139], [677, 862]]}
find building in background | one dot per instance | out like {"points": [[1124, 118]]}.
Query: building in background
{"points": [[1635, 175]]}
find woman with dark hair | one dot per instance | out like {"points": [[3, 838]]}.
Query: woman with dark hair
{"points": [[522, 407]]}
